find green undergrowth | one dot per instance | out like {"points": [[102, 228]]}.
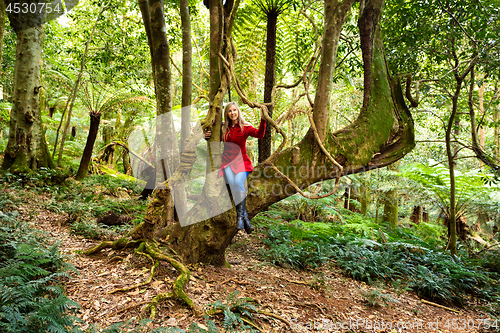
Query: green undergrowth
{"points": [[43, 179], [31, 298], [82, 203], [409, 257]]}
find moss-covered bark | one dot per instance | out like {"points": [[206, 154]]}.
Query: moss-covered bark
{"points": [[391, 208], [26, 148]]}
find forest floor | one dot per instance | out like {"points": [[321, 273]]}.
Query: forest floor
{"points": [[324, 297]]}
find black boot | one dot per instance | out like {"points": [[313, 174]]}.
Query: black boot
{"points": [[248, 226], [239, 198]]}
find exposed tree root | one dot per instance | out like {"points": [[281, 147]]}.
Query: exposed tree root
{"points": [[148, 281], [118, 244], [150, 251], [183, 278], [270, 314], [251, 323], [156, 263], [129, 307], [153, 304]]}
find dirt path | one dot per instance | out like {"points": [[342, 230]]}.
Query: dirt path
{"points": [[323, 297]]}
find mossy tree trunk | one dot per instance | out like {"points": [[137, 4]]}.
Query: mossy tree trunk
{"points": [[26, 148], [391, 208], [381, 135], [166, 148], [391, 200], [364, 198]]}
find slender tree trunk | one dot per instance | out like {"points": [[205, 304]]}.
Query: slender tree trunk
{"points": [[391, 202], [265, 144], [2, 30], [166, 146], [187, 87], [496, 132], [451, 165], [126, 163], [215, 46], [364, 199], [26, 148], [391, 208], [456, 131], [336, 13], [480, 93], [187, 84], [150, 173], [95, 119]]}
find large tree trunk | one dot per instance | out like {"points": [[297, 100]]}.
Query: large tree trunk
{"points": [[384, 120], [95, 119], [26, 148], [166, 148]]}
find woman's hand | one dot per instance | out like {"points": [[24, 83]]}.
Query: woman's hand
{"points": [[262, 112], [208, 134]]}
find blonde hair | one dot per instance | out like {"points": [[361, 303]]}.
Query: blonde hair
{"points": [[241, 121]]}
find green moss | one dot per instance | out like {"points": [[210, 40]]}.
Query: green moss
{"points": [[20, 164], [371, 130]]}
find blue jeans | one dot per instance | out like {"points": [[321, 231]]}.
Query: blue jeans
{"points": [[236, 181]]}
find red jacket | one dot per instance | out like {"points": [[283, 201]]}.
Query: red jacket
{"points": [[235, 151]]}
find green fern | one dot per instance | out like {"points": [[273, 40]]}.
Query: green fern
{"points": [[31, 299], [232, 309]]}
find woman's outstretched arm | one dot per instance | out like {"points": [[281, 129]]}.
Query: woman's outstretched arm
{"points": [[258, 133]]}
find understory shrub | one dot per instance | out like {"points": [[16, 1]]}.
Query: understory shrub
{"points": [[397, 257]]}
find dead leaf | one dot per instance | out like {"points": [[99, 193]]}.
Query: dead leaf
{"points": [[157, 283], [171, 321]]}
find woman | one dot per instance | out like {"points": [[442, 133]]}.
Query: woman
{"points": [[236, 164]]}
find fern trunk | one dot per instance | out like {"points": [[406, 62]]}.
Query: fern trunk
{"points": [[266, 142], [95, 120]]}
